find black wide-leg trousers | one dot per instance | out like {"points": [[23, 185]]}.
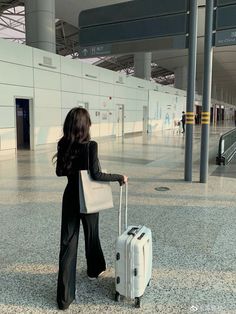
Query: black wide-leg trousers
{"points": [[70, 227]]}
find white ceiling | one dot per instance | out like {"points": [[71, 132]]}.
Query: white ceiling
{"points": [[224, 65]]}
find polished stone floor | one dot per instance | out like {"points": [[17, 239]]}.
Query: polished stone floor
{"points": [[193, 226]]}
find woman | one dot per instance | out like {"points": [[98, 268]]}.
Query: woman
{"points": [[74, 148]]}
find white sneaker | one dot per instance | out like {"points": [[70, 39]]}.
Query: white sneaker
{"points": [[94, 278]]}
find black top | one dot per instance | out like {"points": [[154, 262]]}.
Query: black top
{"points": [[81, 161]]}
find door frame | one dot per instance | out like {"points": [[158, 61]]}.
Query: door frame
{"points": [[145, 119], [31, 121]]}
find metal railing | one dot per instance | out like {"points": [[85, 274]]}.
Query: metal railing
{"points": [[227, 147]]}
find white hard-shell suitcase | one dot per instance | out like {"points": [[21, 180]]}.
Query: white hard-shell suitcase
{"points": [[133, 266]]}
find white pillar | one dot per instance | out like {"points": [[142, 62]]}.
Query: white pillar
{"points": [[40, 24], [181, 77], [142, 65]]}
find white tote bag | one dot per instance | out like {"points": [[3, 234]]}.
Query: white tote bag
{"points": [[94, 196]]}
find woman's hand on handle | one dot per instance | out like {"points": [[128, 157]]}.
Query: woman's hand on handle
{"points": [[125, 179]]}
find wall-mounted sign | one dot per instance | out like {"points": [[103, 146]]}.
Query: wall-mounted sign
{"points": [[133, 26]]}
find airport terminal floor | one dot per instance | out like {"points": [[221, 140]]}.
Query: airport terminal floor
{"points": [[193, 227]]}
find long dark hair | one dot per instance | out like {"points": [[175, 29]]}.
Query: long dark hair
{"points": [[77, 126], [76, 129]]}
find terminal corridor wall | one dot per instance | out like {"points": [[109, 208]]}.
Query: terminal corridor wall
{"points": [[118, 104]]}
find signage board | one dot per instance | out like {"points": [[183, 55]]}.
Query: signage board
{"points": [[225, 23], [225, 37], [225, 17], [95, 51], [130, 11], [148, 28], [221, 3], [133, 26], [163, 43]]}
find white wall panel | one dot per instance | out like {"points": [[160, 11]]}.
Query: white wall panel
{"points": [[181, 104], [90, 87], [47, 117], [106, 75], [47, 79], [71, 83], [95, 130], [70, 100], [131, 93], [164, 108], [135, 82], [71, 67], [120, 100], [47, 98], [90, 71], [7, 138], [130, 115], [111, 129], [106, 89], [106, 123], [15, 53], [7, 117], [15, 74], [66, 83], [8, 93], [46, 60], [133, 104], [142, 94], [141, 104], [138, 126], [139, 115], [93, 101], [104, 129], [119, 78], [131, 81], [47, 135], [95, 119], [121, 91], [129, 127], [95, 116], [106, 103]]}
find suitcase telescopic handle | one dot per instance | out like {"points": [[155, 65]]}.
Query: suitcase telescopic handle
{"points": [[120, 209]]}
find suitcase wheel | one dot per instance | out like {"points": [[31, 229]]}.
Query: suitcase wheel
{"points": [[149, 283], [137, 302], [117, 297]]}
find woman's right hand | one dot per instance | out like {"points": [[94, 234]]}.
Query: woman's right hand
{"points": [[125, 179]]}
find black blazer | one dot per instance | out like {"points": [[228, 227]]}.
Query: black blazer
{"points": [[85, 157]]}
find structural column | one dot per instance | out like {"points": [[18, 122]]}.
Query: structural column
{"points": [[207, 82], [181, 77], [191, 82], [142, 65], [214, 97], [40, 24]]}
